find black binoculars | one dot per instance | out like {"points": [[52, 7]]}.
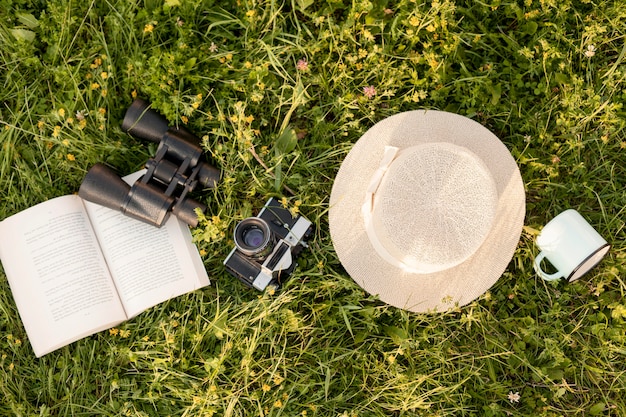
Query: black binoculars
{"points": [[174, 172]]}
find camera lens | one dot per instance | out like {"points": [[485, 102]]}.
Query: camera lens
{"points": [[253, 237]]}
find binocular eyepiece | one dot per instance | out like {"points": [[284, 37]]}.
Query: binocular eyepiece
{"points": [[176, 169]]}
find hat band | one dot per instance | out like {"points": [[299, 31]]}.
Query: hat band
{"points": [[391, 152]]}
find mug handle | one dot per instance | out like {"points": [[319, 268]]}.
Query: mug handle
{"points": [[541, 273]]}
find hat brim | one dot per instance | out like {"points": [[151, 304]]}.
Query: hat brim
{"points": [[443, 290]]}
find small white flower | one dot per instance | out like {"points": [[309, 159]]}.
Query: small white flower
{"points": [[591, 51], [213, 48], [80, 115], [514, 397]]}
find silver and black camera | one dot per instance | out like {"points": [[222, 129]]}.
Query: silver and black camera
{"points": [[266, 246]]}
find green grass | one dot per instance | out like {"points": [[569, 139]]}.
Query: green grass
{"points": [[548, 77]]}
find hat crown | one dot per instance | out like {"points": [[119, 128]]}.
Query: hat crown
{"points": [[434, 207]]}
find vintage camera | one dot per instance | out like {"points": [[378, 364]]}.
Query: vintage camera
{"points": [[266, 246], [174, 172]]}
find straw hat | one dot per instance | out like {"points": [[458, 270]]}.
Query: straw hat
{"points": [[426, 210]]}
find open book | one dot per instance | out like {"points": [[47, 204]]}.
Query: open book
{"points": [[76, 268]]}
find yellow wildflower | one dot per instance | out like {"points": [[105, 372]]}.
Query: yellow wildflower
{"points": [[71, 157], [96, 63], [296, 208]]}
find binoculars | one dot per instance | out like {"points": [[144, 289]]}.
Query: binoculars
{"points": [[176, 169]]}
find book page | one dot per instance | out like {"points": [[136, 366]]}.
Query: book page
{"points": [[58, 276], [149, 265]]}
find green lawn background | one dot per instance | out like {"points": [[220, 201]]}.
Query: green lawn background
{"points": [[280, 91]]}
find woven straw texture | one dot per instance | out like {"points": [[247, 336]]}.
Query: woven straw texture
{"points": [[495, 215], [447, 197]]}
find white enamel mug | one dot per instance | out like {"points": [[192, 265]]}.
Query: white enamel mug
{"points": [[571, 245]]}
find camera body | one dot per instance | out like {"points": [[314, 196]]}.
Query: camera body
{"points": [[266, 246], [174, 172]]}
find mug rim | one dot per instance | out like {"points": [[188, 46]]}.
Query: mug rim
{"points": [[592, 254]]}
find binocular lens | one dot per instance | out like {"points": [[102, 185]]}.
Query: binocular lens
{"points": [[185, 210], [253, 237], [143, 122]]}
